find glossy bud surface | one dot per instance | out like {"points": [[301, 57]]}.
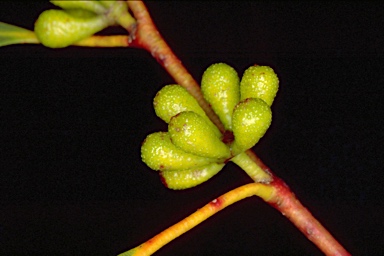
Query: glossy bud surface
{"points": [[220, 87], [160, 154], [190, 132], [58, 28], [259, 82], [251, 119], [174, 99], [189, 178]]}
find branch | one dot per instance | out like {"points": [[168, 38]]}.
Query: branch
{"points": [[287, 203], [267, 193], [145, 35]]}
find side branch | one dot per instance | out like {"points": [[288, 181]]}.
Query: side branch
{"points": [[158, 241]]}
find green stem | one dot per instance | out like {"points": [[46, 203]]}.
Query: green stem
{"points": [[251, 168], [104, 41], [119, 12]]}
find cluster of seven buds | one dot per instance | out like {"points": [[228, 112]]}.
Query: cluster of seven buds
{"points": [[193, 150]]}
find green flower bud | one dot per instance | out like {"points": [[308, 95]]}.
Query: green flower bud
{"points": [[190, 132], [174, 99], [259, 82], [159, 153], [220, 87], [93, 6], [189, 178], [58, 28], [251, 119]]}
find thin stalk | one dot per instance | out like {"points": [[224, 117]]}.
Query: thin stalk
{"points": [[105, 41], [118, 11], [251, 168], [152, 245]]}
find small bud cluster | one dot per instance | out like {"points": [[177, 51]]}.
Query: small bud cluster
{"points": [[193, 150]]}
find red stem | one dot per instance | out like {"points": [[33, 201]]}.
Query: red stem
{"points": [[287, 203]]}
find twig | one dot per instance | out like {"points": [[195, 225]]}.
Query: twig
{"points": [[105, 41], [161, 239]]}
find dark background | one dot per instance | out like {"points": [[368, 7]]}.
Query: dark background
{"points": [[72, 121]]}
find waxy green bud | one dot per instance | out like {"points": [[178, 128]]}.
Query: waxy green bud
{"points": [[190, 132], [189, 178], [174, 99], [159, 153], [259, 82], [251, 119], [58, 28], [220, 87]]}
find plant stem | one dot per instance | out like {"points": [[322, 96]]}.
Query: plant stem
{"points": [[251, 168], [105, 41], [216, 205], [119, 13], [286, 202]]}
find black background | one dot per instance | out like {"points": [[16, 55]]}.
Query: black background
{"points": [[72, 121]]}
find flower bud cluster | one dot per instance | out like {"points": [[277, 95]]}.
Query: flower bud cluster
{"points": [[193, 150]]}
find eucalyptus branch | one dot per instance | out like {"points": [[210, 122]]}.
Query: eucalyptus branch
{"points": [[59, 28]]}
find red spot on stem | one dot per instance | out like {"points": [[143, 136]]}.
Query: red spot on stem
{"points": [[134, 42], [217, 203]]}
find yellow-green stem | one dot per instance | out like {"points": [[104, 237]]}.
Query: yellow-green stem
{"points": [[251, 168], [105, 41], [120, 14], [152, 245]]}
